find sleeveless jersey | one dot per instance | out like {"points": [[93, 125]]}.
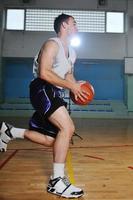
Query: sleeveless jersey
{"points": [[62, 65]]}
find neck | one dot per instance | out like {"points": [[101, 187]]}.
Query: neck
{"points": [[65, 40], [65, 43]]}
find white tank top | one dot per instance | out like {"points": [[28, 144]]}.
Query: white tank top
{"points": [[62, 65]]}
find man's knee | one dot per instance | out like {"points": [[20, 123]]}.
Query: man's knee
{"points": [[69, 130], [72, 129], [49, 141]]}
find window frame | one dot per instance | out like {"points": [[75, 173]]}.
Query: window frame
{"points": [[105, 30], [6, 19], [124, 25]]}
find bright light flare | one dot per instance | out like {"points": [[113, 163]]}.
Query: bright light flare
{"points": [[75, 42]]}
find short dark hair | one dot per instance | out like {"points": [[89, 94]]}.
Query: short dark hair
{"points": [[59, 20]]}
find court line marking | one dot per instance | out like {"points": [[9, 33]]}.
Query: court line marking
{"points": [[103, 146], [70, 167], [82, 147], [130, 167], [94, 157], [2, 164]]}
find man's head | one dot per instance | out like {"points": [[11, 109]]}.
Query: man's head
{"points": [[66, 22]]}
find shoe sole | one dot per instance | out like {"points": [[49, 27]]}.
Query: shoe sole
{"points": [[68, 197], [2, 149]]}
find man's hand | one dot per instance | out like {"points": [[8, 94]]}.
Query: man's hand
{"points": [[78, 91]]}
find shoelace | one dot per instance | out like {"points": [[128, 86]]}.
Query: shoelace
{"points": [[66, 181]]}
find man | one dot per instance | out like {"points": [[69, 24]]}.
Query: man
{"points": [[53, 69]]}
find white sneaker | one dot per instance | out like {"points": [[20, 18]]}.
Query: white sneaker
{"points": [[5, 135], [63, 188]]}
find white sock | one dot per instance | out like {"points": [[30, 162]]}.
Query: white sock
{"points": [[17, 132], [58, 170]]}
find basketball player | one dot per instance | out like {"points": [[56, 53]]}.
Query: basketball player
{"points": [[51, 124]]}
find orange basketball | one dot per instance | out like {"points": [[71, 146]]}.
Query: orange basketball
{"points": [[89, 89]]}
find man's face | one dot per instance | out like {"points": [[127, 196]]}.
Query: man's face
{"points": [[71, 27]]}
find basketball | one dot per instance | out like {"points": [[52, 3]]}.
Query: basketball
{"points": [[89, 97]]}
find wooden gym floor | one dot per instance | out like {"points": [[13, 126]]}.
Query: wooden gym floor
{"points": [[101, 163]]}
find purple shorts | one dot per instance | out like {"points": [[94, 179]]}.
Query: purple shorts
{"points": [[45, 99]]}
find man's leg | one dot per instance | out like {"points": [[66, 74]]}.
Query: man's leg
{"points": [[58, 183], [65, 124], [39, 138], [8, 133]]}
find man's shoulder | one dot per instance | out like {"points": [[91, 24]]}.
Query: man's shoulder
{"points": [[49, 43], [54, 40]]}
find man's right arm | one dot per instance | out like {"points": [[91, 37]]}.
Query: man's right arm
{"points": [[46, 60]]}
